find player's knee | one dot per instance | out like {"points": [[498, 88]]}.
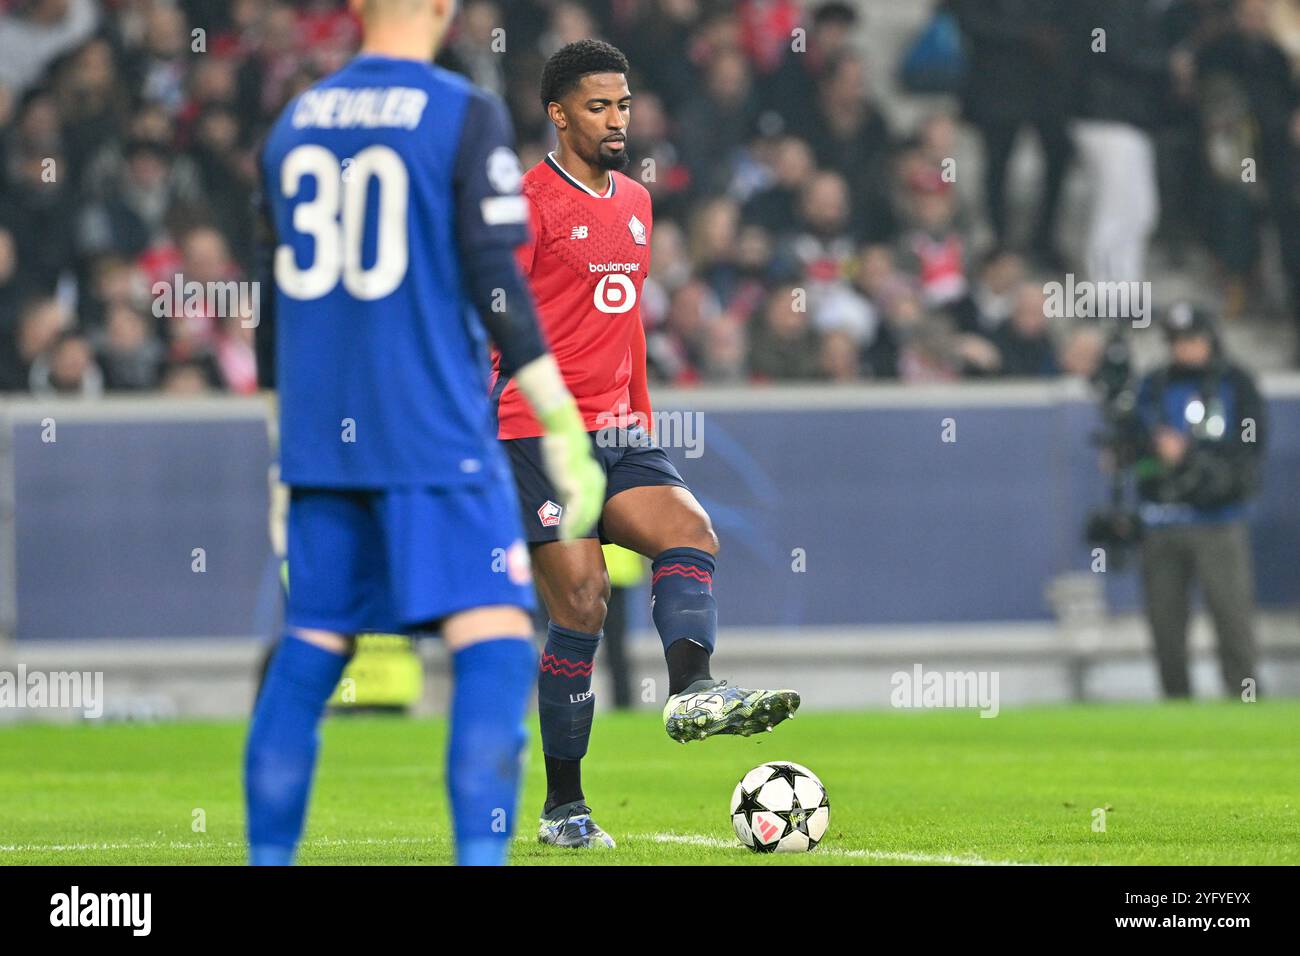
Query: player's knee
{"points": [[583, 604], [485, 624], [701, 536], [330, 641]]}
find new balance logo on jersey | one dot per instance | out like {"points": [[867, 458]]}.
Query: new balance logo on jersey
{"points": [[579, 232], [549, 514]]}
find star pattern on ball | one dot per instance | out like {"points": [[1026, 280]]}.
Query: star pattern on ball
{"points": [[796, 819], [749, 804], [784, 771]]}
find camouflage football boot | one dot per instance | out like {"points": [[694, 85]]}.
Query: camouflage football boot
{"points": [[710, 707]]}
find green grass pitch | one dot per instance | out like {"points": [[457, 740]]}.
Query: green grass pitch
{"points": [[1199, 783]]}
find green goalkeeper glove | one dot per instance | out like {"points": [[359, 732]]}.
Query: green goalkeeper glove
{"points": [[570, 464]]}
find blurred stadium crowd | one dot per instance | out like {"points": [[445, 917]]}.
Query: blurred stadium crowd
{"points": [[799, 233]]}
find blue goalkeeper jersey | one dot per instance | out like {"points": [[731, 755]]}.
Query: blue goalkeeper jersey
{"points": [[379, 181]]}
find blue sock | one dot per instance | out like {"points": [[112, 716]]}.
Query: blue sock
{"points": [[493, 680], [564, 697], [681, 596], [282, 745]]}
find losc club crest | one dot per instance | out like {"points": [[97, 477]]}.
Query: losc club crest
{"points": [[549, 514], [637, 228]]}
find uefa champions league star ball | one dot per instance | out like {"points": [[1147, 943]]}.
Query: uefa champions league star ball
{"points": [[780, 807]]}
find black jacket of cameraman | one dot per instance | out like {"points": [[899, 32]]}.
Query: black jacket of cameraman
{"points": [[1201, 438]]}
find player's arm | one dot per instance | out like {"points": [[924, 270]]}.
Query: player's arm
{"points": [[639, 387], [491, 222], [264, 243]]}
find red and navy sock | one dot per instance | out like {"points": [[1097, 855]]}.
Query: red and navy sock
{"points": [[566, 703], [684, 611]]}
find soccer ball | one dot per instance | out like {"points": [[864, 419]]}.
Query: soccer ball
{"points": [[780, 807]]}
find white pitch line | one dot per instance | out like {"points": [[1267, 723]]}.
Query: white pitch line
{"points": [[197, 845], [686, 839], [897, 856]]}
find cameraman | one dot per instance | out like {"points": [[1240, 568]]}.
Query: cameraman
{"points": [[1200, 426]]}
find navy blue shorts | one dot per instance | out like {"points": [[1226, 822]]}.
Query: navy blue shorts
{"points": [[400, 559], [629, 456]]}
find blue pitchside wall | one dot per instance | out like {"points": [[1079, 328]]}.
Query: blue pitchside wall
{"points": [[895, 525]]}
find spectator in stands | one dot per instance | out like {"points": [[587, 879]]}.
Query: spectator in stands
{"points": [[784, 346], [776, 204], [130, 352], [823, 248], [794, 84], [213, 82], [131, 216], [188, 378], [929, 351], [275, 63], [67, 367], [111, 281], [232, 351], [1081, 353], [715, 124], [840, 357], [713, 246], [659, 166], [228, 176], [107, 168], [726, 352], [160, 67], [752, 274], [116, 145], [840, 310], [1017, 79], [933, 247], [679, 351], [204, 260], [35, 35], [39, 326], [92, 103], [1251, 109], [993, 293], [1121, 90], [1024, 341], [40, 202], [850, 136], [10, 306], [477, 44]]}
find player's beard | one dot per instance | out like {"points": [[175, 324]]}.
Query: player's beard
{"points": [[611, 159]]}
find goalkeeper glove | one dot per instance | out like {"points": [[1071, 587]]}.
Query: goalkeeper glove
{"points": [[570, 464]]}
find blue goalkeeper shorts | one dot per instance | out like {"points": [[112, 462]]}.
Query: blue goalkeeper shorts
{"points": [[400, 560]]}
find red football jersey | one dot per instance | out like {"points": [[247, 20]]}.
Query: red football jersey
{"points": [[586, 263]]}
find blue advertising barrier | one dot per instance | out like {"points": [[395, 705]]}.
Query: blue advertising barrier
{"points": [[147, 519]]}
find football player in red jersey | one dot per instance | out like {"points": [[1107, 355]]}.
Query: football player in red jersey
{"points": [[586, 263]]}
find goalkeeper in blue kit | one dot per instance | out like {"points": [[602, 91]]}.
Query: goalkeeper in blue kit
{"points": [[392, 192]]}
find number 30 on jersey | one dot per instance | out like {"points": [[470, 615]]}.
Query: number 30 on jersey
{"points": [[335, 219]]}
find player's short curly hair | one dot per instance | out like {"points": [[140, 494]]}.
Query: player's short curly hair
{"points": [[569, 64]]}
